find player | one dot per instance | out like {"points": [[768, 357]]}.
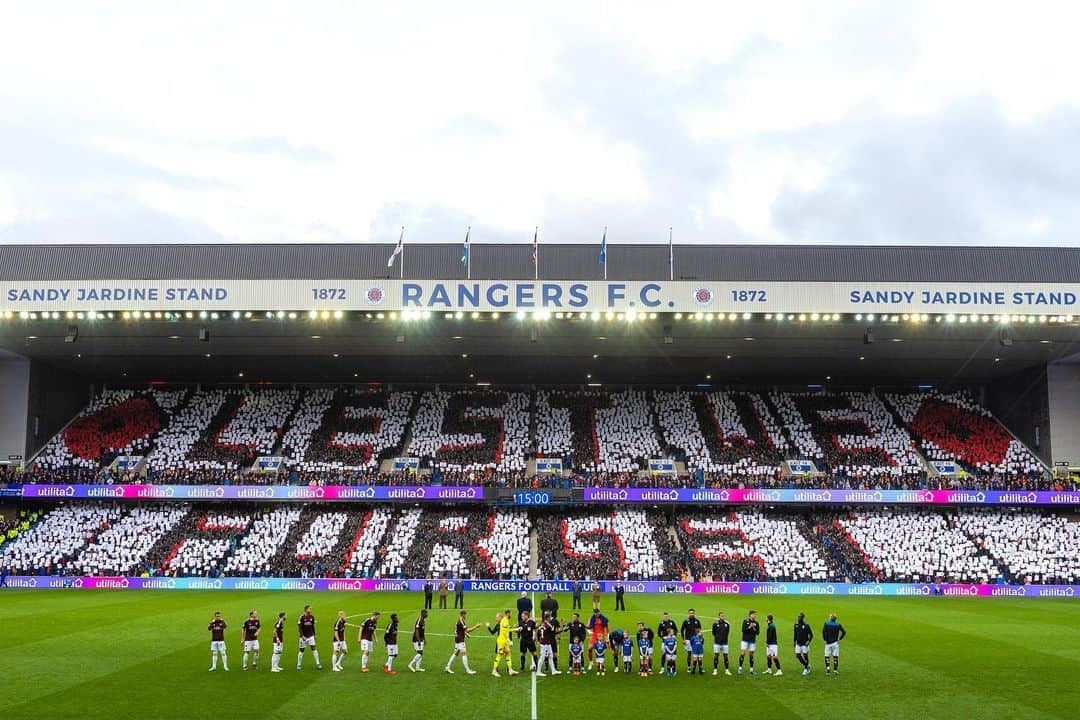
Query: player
{"points": [[306, 626], [598, 628], [461, 632], [527, 641], [772, 648], [217, 642], [502, 643], [721, 629], [549, 637], [615, 641], [831, 634], [279, 645], [577, 660], [600, 653], [645, 638], [689, 626], [697, 651], [803, 636], [341, 649], [418, 640], [666, 623], [627, 653], [367, 639], [251, 640], [670, 646], [390, 638], [750, 630]]}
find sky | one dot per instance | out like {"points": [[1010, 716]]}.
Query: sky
{"points": [[831, 122]]}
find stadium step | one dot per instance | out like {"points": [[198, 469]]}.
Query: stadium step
{"points": [[534, 554]]}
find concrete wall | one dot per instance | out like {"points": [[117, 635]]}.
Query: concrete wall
{"points": [[55, 397], [14, 391], [1021, 402], [1064, 386]]}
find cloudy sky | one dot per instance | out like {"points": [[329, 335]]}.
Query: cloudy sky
{"points": [[861, 122]]}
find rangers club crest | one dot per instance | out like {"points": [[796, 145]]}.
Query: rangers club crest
{"points": [[375, 295], [703, 296]]}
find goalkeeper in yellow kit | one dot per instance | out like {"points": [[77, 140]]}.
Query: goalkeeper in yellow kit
{"points": [[502, 642]]}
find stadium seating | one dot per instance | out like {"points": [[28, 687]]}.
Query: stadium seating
{"points": [[750, 544], [341, 435], [953, 427], [919, 546], [341, 540]]}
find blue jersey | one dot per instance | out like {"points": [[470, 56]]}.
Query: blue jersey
{"points": [[697, 644], [627, 647], [669, 644], [599, 647], [575, 651]]}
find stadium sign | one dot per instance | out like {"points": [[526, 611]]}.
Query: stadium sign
{"points": [[386, 294], [843, 497], [360, 493], [541, 586]]}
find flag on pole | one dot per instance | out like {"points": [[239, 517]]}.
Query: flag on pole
{"points": [[397, 248], [670, 256], [465, 248], [603, 251], [536, 253]]}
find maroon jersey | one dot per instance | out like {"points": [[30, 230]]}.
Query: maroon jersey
{"points": [[459, 631], [251, 629], [217, 630], [418, 631], [367, 629], [339, 630], [547, 633], [306, 623], [279, 630], [390, 636]]}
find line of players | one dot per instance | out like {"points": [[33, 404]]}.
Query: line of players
{"points": [[541, 641]]}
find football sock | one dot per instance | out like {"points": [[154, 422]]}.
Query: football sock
{"points": [[299, 658]]}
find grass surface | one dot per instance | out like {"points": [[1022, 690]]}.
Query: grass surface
{"points": [[111, 654]]}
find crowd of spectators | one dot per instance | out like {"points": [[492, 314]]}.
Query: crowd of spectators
{"points": [[623, 544], [472, 432], [749, 545], [1033, 547], [919, 546]]}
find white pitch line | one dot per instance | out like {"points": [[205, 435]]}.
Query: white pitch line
{"points": [[533, 673]]}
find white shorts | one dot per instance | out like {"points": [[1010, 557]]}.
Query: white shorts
{"points": [[307, 642], [459, 647], [367, 645], [217, 646], [251, 646], [747, 646], [832, 650], [391, 650], [802, 649], [671, 657], [645, 651], [545, 651], [695, 655], [341, 646], [418, 646], [772, 650], [686, 645], [717, 649], [278, 647]]}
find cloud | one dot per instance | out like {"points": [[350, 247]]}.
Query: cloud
{"points": [[858, 122]]}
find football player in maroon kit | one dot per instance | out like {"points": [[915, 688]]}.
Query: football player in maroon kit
{"points": [[279, 638], [217, 642], [418, 640], [306, 625], [367, 639], [251, 640], [461, 632], [341, 649]]}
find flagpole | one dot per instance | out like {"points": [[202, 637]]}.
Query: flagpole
{"points": [[536, 253], [605, 252], [402, 258], [670, 256]]}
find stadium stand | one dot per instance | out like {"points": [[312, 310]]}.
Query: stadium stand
{"points": [[857, 545], [342, 435]]}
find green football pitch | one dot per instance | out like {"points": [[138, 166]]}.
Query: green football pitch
{"points": [[116, 654]]}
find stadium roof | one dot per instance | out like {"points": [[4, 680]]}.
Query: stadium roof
{"points": [[781, 263]]}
